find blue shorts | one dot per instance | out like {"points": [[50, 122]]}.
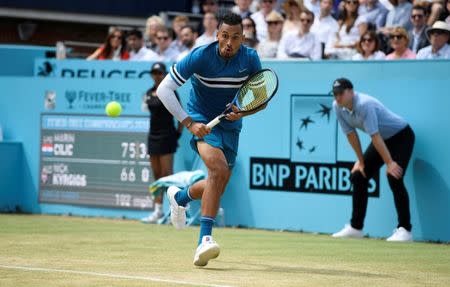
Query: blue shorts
{"points": [[226, 140]]}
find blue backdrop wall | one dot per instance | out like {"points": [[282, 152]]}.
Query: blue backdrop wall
{"points": [[288, 175]]}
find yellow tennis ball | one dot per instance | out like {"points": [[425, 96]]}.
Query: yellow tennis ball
{"points": [[113, 109]]}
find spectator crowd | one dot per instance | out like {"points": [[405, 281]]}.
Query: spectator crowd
{"points": [[299, 29]]}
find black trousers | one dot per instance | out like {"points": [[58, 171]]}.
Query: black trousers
{"points": [[400, 147]]}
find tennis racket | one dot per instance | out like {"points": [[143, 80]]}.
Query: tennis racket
{"points": [[256, 91]]}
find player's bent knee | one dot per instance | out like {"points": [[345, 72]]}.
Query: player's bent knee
{"points": [[394, 182], [358, 178]]}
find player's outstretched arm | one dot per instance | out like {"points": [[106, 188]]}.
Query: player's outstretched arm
{"points": [[166, 93]]}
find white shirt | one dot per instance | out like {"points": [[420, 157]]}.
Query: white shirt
{"points": [[378, 55], [184, 53], [170, 54], [261, 25], [268, 49], [313, 7], [307, 45], [205, 39], [144, 54], [325, 28], [426, 53], [344, 38]]}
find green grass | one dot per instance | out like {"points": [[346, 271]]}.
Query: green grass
{"points": [[248, 257]]}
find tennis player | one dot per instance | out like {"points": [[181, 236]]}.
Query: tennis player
{"points": [[392, 144], [217, 71]]}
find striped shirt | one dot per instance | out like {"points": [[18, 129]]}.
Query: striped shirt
{"points": [[215, 80]]}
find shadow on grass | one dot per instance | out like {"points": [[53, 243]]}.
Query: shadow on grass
{"points": [[267, 268]]}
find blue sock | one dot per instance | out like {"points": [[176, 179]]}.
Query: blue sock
{"points": [[206, 224], [183, 197]]}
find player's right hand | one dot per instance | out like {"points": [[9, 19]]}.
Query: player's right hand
{"points": [[199, 129], [358, 166]]}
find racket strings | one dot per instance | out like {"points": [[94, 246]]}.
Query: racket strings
{"points": [[257, 91]]}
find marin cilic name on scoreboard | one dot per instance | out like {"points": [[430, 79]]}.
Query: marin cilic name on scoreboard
{"points": [[95, 160]]}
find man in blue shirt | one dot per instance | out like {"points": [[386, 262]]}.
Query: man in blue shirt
{"points": [[392, 144], [216, 71]]}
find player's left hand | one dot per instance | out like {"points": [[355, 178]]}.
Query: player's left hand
{"points": [[234, 115], [394, 170]]}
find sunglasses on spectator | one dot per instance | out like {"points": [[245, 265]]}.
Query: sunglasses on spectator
{"points": [[247, 25], [417, 16], [303, 20], [162, 38], [209, 3], [368, 40], [438, 32], [273, 23], [267, 1], [293, 4], [396, 37], [116, 37], [351, 2]]}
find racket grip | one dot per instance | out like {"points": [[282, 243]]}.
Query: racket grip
{"points": [[214, 122]]}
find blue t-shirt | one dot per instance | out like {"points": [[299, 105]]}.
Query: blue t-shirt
{"points": [[369, 115], [215, 80]]}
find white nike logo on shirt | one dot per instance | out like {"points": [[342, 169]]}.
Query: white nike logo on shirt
{"points": [[242, 70]]}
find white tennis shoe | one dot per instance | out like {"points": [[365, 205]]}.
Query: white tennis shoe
{"points": [[348, 231], [400, 235], [153, 218], [177, 213], [207, 250]]}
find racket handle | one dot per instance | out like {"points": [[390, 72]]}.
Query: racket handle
{"points": [[214, 122]]}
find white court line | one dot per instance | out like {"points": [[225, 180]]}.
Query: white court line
{"points": [[118, 276]]}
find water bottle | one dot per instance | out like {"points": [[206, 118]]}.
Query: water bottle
{"points": [[60, 50], [220, 219]]}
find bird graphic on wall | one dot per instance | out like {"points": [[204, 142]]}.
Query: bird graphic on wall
{"points": [[300, 144], [305, 122], [325, 111]]}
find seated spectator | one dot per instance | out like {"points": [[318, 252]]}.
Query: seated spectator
{"points": [[373, 12], [342, 45], [325, 26], [313, 6], [418, 34], [242, 8], [210, 26], [114, 47], [187, 36], [138, 52], [164, 51], [268, 48], [369, 47], [399, 43], [398, 17], [177, 23], [301, 44], [292, 8], [249, 31], [154, 23], [266, 6], [439, 35]]}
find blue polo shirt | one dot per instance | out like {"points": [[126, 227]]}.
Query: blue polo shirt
{"points": [[215, 80], [369, 115]]}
